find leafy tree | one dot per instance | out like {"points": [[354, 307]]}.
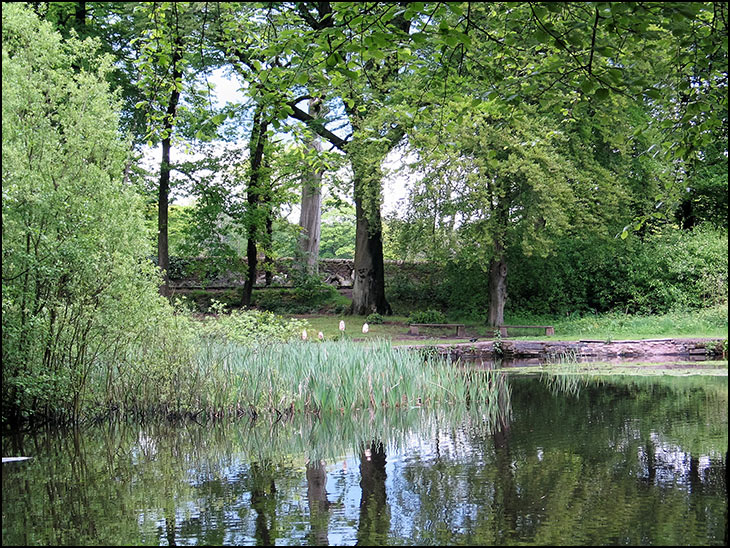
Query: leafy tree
{"points": [[162, 65], [504, 183], [117, 25], [296, 58]]}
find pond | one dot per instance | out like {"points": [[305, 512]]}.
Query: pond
{"points": [[564, 460]]}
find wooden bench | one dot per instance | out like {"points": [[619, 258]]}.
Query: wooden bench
{"points": [[549, 329], [460, 330]]}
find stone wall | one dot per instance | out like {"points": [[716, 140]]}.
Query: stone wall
{"points": [[337, 272], [689, 349]]}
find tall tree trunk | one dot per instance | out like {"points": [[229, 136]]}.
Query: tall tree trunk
{"points": [[497, 287], [269, 265], [368, 289], [80, 18], [311, 206], [163, 252], [254, 193]]}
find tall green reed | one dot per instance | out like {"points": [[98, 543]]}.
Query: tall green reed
{"points": [[227, 378]]}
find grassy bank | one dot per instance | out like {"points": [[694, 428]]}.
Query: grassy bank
{"points": [[710, 368], [710, 322]]}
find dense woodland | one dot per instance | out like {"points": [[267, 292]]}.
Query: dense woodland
{"points": [[559, 157]]}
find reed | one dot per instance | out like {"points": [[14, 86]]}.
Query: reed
{"points": [[224, 378]]}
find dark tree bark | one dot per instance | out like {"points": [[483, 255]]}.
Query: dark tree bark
{"points": [[269, 237], [497, 289], [80, 17], [254, 198], [368, 289], [163, 251]]}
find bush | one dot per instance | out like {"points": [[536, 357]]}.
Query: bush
{"points": [[427, 316], [375, 318], [203, 300], [667, 271], [253, 327]]}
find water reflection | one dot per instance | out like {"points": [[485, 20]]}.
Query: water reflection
{"points": [[619, 461]]}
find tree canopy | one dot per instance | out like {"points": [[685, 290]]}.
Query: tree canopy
{"points": [[531, 121]]}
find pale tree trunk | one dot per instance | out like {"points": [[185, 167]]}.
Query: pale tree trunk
{"points": [[311, 214]]}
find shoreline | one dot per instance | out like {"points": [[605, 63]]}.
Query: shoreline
{"points": [[693, 349]]}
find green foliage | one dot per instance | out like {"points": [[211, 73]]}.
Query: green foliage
{"points": [[253, 328], [375, 318], [670, 270], [667, 271], [76, 282], [427, 316], [679, 270]]}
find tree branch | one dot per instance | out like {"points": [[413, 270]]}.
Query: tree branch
{"points": [[317, 126]]}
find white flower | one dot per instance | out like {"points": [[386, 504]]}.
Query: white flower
{"points": [[320, 335], [304, 334], [342, 325], [365, 328]]}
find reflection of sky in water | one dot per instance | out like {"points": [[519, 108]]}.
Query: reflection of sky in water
{"points": [[672, 465], [464, 455]]}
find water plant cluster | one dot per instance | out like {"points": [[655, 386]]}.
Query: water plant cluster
{"points": [[227, 378]]}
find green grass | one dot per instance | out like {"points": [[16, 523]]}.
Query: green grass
{"points": [[711, 322]]}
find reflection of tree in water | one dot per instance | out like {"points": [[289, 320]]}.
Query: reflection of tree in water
{"points": [[473, 478], [318, 503], [374, 524], [263, 501], [506, 498]]}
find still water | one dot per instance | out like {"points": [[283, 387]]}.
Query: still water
{"points": [[563, 461]]}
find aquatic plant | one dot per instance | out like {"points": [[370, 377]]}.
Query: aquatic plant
{"points": [[224, 378]]}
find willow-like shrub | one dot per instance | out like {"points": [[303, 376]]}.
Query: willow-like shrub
{"points": [[76, 284]]}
